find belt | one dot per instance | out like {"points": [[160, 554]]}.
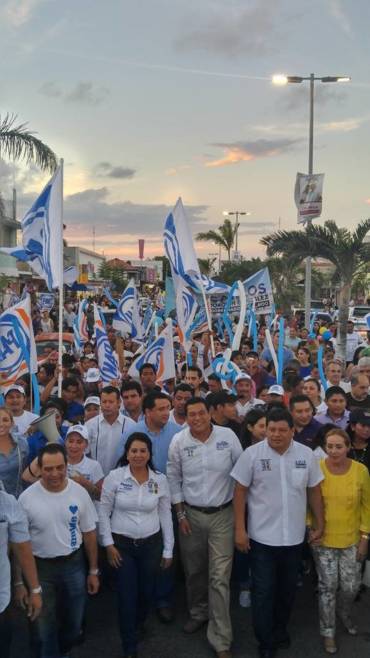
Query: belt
{"points": [[59, 558], [209, 510], [122, 540]]}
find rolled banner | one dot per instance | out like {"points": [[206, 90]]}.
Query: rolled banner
{"points": [[225, 314], [272, 350], [281, 352], [254, 329], [225, 369], [312, 321], [320, 365], [243, 308]]}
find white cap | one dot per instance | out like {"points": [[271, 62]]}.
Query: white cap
{"points": [[80, 429], [242, 376], [14, 387], [275, 389], [90, 356], [92, 376], [92, 399]]}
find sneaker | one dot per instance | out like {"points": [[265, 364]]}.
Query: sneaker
{"points": [[329, 645], [245, 598]]}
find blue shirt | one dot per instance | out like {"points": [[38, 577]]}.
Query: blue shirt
{"points": [[13, 528], [38, 440], [341, 422], [287, 355], [307, 434], [160, 442], [74, 410], [13, 465]]}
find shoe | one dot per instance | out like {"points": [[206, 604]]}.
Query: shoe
{"points": [[329, 645], [245, 598], [348, 624], [193, 625], [224, 654], [165, 615]]}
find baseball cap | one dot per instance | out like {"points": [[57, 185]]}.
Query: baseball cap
{"points": [[275, 389], [92, 399], [14, 387], [92, 375], [359, 416], [242, 376], [80, 429]]}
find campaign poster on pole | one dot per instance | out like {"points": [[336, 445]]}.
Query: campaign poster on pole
{"points": [[308, 196]]}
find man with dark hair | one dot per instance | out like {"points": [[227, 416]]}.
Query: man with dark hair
{"points": [[109, 430], [305, 426], [62, 520], [275, 477], [148, 376], [182, 393], [132, 398], [214, 383], [336, 412], [222, 407], [200, 459], [194, 377], [160, 430], [75, 410], [358, 397]]}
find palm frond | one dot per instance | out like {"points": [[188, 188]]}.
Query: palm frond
{"points": [[17, 142]]}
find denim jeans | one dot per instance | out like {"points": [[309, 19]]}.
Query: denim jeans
{"points": [[63, 583], [136, 578], [5, 633], [274, 582]]}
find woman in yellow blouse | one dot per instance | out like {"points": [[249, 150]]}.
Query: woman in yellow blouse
{"points": [[344, 544]]}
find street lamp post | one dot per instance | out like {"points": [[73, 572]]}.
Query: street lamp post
{"points": [[237, 214], [283, 80]]}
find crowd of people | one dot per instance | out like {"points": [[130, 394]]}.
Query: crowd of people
{"points": [[250, 480]]}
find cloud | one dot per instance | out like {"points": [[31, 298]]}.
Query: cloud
{"points": [[245, 151], [346, 125], [296, 96], [338, 13], [173, 171], [18, 12], [232, 30], [107, 170], [51, 90], [87, 94]]}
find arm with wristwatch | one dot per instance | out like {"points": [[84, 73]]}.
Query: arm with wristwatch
{"points": [[27, 592]]}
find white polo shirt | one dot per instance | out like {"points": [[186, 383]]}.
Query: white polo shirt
{"points": [[242, 409], [277, 491], [106, 441], [22, 422], [57, 520], [88, 468], [199, 472], [135, 510]]}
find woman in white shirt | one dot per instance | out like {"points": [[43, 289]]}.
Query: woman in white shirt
{"points": [[135, 526]]}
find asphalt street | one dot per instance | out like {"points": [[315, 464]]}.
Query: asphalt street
{"points": [[169, 641]]}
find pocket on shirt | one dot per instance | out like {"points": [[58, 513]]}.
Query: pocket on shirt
{"points": [[299, 478]]}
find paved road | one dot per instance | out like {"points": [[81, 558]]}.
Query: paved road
{"points": [[102, 640]]}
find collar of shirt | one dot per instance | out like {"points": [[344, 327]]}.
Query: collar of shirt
{"points": [[120, 418], [127, 475]]}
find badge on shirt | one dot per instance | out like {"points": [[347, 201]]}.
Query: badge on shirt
{"points": [[73, 525], [190, 450], [221, 445], [153, 487], [265, 464], [125, 486], [300, 463]]}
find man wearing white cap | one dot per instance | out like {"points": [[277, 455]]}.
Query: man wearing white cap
{"points": [[275, 393], [91, 407], [245, 401], [15, 401]]}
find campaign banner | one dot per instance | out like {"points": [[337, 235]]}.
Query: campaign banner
{"points": [[46, 301], [308, 196], [17, 343], [258, 290]]}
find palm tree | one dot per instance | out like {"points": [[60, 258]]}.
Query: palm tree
{"points": [[17, 142], [224, 236], [206, 265], [347, 251]]}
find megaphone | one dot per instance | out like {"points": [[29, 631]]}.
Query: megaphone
{"points": [[47, 425]]}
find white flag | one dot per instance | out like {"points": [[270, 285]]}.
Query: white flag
{"points": [[160, 354]]}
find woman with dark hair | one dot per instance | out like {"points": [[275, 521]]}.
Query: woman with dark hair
{"points": [[135, 526], [304, 358], [254, 427], [359, 432]]}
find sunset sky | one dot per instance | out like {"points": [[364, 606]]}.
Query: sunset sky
{"points": [[147, 101]]}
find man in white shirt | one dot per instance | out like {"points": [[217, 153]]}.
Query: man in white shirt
{"points": [[61, 519], [275, 477], [200, 460], [109, 430], [245, 402], [132, 398], [15, 401], [353, 341], [333, 373], [183, 393]]}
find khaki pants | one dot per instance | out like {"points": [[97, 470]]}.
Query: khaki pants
{"points": [[207, 556], [339, 575]]}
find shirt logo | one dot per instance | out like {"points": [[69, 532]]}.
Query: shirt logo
{"points": [[300, 463], [73, 525], [125, 486], [190, 451], [153, 487], [221, 445], [265, 464]]}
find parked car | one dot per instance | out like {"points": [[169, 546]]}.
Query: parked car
{"points": [[49, 342], [358, 312]]}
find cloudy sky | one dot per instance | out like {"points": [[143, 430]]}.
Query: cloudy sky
{"points": [[147, 101]]}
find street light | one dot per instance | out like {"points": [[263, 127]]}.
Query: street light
{"points": [[281, 80], [237, 214]]}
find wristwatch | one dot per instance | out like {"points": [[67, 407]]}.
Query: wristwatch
{"points": [[36, 590], [94, 572]]}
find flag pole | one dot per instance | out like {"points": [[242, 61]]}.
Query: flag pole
{"points": [[209, 321], [61, 289]]}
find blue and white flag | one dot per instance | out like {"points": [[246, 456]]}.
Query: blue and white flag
{"points": [[179, 247], [258, 290], [42, 234], [122, 319], [160, 353], [70, 275], [46, 301], [108, 365], [186, 308], [198, 325], [17, 343], [212, 287], [109, 297]]}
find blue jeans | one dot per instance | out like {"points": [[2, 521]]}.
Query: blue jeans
{"points": [[63, 583], [136, 579], [5, 633], [274, 581]]}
